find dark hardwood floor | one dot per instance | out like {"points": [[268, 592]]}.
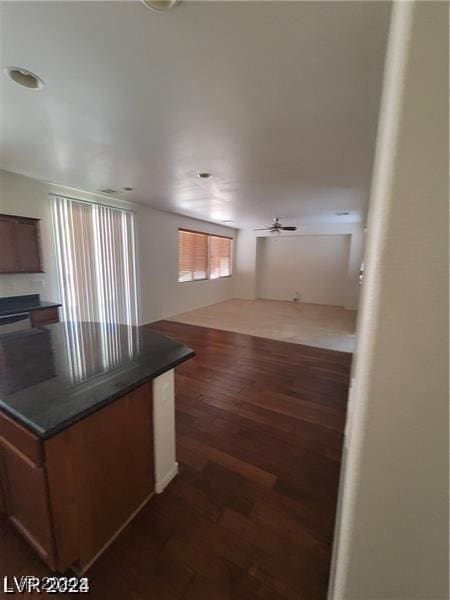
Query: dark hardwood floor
{"points": [[251, 514]]}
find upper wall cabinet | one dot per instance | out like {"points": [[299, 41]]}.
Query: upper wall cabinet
{"points": [[20, 248]]}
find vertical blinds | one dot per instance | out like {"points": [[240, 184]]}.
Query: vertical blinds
{"points": [[95, 250], [203, 256]]}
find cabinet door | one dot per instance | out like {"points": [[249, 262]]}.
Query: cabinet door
{"points": [[25, 500], [28, 246], [110, 454], [8, 260]]}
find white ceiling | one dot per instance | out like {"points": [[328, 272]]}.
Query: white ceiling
{"points": [[278, 100]]}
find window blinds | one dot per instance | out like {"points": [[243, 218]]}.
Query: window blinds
{"points": [[219, 257], [203, 256], [192, 256]]}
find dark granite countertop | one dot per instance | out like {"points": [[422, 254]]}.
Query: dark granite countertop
{"points": [[55, 375], [28, 303]]}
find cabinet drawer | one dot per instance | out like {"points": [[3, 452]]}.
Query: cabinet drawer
{"points": [[45, 316]]}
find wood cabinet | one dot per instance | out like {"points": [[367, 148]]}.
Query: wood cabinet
{"points": [[8, 255], [44, 316], [25, 499], [28, 245], [72, 494], [20, 247], [23, 487]]}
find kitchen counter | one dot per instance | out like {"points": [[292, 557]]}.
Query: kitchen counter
{"points": [[53, 376], [22, 304], [87, 433]]}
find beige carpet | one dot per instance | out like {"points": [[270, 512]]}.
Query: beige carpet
{"points": [[318, 325]]}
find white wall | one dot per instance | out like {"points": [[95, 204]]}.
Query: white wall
{"points": [[393, 518], [160, 293], [311, 268], [245, 265], [250, 250]]}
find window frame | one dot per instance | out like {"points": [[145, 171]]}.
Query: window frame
{"points": [[208, 257]]}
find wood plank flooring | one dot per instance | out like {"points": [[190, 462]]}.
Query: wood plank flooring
{"points": [[251, 514]]}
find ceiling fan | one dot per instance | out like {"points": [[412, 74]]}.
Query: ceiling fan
{"points": [[277, 227]]}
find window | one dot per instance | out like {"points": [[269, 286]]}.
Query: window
{"points": [[95, 251], [203, 256], [219, 257], [192, 256]]}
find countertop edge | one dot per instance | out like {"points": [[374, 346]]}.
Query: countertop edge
{"points": [[49, 305], [28, 309], [48, 433]]}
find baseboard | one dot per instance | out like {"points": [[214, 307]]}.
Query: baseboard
{"points": [[164, 482], [170, 316]]}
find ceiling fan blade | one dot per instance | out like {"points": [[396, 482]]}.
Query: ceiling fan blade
{"points": [[289, 228], [263, 229]]}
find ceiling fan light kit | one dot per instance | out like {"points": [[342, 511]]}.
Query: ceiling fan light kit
{"points": [[277, 227]]}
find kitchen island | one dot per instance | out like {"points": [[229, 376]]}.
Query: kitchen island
{"points": [[87, 433]]}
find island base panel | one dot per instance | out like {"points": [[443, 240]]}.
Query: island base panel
{"points": [[100, 471], [70, 495]]}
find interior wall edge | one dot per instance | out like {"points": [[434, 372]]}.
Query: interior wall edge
{"points": [[391, 536]]}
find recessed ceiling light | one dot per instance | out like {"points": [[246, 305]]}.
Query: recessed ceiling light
{"points": [[227, 221], [24, 78], [128, 189], [159, 5], [204, 175], [108, 191], [343, 213]]}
